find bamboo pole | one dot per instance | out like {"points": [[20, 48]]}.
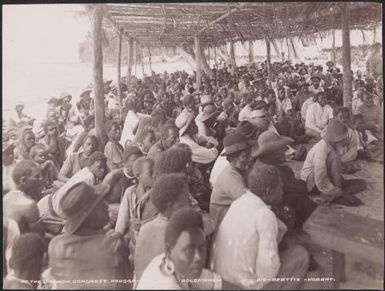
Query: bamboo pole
{"points": [[141, 58], [97, 18], [198, 62], [334, 47], [130, 59], [232, 57], [346, 58], [251, 51], [149, 58], [288, 50], [268, 57], [120, 33], [135, 56]]}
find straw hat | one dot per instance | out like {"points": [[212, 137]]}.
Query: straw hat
{"points": [[335, 131], [208, 112], [78, 203], [316, 76], [85, 91], [269, 141], [183, 121], [234, 142]]}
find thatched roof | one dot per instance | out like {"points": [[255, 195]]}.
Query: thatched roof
{"points": [[154, 24]]}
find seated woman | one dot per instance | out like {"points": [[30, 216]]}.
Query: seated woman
{"points": [[55, 142], [26, 140], [176, 268], [78, 160]]}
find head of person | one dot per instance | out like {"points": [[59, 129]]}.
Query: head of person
{"points": [[343, 115], [84, 207], [336, 133], [368, 99], [176, 159], [27, 177], [237, 150], [90, 145], [265, 182], [185, 244], [97, 164], [113, 130], [188, 102], [19, 107], [260, 116], [169, 135], [148, 140], [51, 128], [27, 256], [358, 122], [315, 81], [170, 193], [143, 170], [39, 153], [218, 100], [305, 87], [27, 138], [148, 100], [321, 98], [281, 93], [228, 106], [271, 148], [186, 124], [130, 155], [270, 96]]}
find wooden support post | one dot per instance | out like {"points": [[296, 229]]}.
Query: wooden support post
{"points": [[130, 59], [141, 58], [119, 69], [149, 58], [232, 58], [346, 58], [288, 49], [135, 56], [215, 57], [198, 62], [296, 56], [374, 35], [251, 52], [97, 17], [268, 61], [334, 47], [276, 49]]}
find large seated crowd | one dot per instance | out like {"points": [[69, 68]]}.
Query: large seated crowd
{"points": [[192, 187]]}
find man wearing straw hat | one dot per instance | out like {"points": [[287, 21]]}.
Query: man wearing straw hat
{"points": [[322, 169], [85, 255]]}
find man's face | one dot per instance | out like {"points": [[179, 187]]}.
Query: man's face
{"points": [[41, 156], [99, 169], [368, 100], [130, 162], [343, 117], [359, 124], [115, 132], [19, 108], [322, 100], [171, 138], [281, 94], [189, 253], [29, 139], [148, 105], [89, 146], [148, 141], [146, 176], [34, 183], [315, 82], [241, 162], [305, 89], [52, 130]]}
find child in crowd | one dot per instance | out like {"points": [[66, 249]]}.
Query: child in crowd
{"points": [[113, 149]]}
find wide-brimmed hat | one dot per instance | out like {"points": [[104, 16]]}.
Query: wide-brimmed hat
{"points": [[52, 100], [316, 76], [234, 142], [188, 99], [79, 201], [269, 141], [259, 104], [64, 95], [208, 112], [335, 131], [85, 91], [206, 100], [183, 121], [329, 62], [246, 128], [19, 103]]}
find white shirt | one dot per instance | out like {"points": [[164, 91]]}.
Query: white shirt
{"points": [[220, 163], [245, 247], [130, 123], [305, 106], [245, 113], [201, 155], [284, 105], [317, 117]]}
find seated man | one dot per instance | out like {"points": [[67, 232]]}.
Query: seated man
{"points": [[169, 135], [230, 183], [373, 117], [136, 208], [245, 248], [49, 206], [85, 251], [113, 149], [203, 149], [26, 262], [170, 193], [317, 116], [322, 169]]}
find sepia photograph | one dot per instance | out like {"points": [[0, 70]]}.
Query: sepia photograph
{"points": [[193, 146]]}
